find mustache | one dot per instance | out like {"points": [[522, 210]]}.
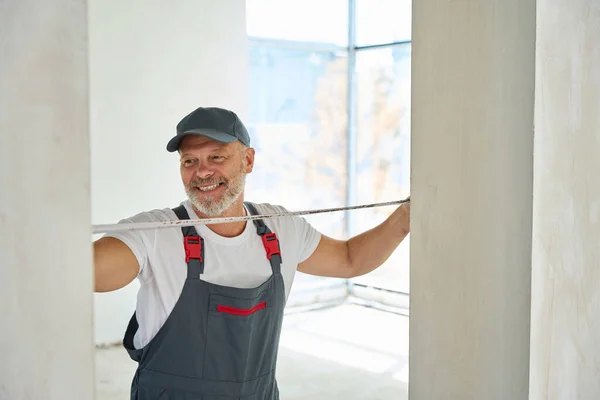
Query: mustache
{"points": [[207, 182]]}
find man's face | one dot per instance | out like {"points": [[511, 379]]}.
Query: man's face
{"points": [[214, 173]]}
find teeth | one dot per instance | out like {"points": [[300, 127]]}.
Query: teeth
{"points": [[207, 188]]}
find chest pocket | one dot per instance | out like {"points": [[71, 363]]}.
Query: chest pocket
{"points": [[243, 331]]}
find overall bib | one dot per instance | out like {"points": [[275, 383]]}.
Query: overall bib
{"points": [[219, 342]]}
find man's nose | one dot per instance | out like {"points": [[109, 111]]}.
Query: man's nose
{"points": [[204, 171]]}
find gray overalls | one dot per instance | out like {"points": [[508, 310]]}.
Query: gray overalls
{"points": [[218, 342]]}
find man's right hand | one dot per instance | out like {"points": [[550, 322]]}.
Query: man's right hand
{"points": [[115, 265]]}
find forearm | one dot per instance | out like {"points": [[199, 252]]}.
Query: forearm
{"points": [[371, 249]]}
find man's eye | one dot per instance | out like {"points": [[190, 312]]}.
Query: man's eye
{"points": [[218, 158], [188, 162]]}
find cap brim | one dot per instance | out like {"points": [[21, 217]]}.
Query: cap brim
{"points": [[219, 136]]}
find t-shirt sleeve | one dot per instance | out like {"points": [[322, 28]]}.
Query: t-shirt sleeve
{"points": [[308, 238], [138, 241]]}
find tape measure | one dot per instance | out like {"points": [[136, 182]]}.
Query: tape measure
{"points": [[103, 228]]}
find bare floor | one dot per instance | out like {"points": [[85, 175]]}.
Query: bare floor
{"points": [[347, 352]]}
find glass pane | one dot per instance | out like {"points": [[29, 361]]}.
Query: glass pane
{"points": [[383, 21], [297, 121], [383, 150], [304, 21]]}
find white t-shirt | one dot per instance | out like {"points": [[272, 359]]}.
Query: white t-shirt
{"points": [[237, 262]]}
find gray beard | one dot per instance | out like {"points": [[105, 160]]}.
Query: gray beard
{"points": [[215, 207]]}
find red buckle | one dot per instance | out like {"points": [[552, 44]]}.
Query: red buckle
{"points": [[192, 247], [271, 244]]}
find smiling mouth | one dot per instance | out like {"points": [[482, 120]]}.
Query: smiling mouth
{"points": [[209, 188]]}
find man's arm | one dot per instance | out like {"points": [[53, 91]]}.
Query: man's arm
{"points": [[115, 265], [362, 253]]}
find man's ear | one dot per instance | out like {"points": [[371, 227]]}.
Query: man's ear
{"points": [[248, 159]]}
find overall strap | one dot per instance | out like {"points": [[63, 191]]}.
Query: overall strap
{"points": [[269, 239], [193, 245]]}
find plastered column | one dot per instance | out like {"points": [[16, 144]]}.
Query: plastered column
{"points": [[472, 175], [46, 344], [565, 323]]}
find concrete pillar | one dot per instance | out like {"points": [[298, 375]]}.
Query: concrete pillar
{"points": [[565, 327], [46, 344], [472, 175]]}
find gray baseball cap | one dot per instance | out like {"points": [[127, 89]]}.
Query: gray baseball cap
{"points": [[212, 122]]}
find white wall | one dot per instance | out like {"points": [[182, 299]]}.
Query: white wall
{"points": [[565, 323], [46, 336], [472, 184], [152, 62]]}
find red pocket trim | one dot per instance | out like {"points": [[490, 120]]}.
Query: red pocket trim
{"points": [[241, 311]]}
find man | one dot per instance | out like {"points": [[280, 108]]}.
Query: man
{"points": [[210, 305]]}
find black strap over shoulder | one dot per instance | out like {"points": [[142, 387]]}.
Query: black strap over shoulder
{"points": [[261, 227], [193, 245], [182, 214], [269, 239]]}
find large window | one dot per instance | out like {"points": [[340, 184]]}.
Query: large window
{"points": [[301, 96], [329, 103]]}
